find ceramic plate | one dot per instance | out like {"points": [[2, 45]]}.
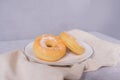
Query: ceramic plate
{"points": [[69, 59]]}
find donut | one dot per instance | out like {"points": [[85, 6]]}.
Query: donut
{"points": [[71, 43], [48, 47]]}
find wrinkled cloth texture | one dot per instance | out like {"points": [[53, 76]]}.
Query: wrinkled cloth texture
{"points": [[15, 65]]}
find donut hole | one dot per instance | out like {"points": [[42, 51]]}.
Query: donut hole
{"points": [[48, 45]]}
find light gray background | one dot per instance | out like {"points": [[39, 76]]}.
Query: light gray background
{"points": [[26, 19]]}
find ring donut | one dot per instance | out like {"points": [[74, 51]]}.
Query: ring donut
{"points": [[71, 43], [48, 47]]}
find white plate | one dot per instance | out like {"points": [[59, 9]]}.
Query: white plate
{"points": [[69, 59]]}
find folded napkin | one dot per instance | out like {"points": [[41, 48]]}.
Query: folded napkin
{"points": [[15, 65]]}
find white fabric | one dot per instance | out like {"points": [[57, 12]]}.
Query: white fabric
{"points": [[16, 66]]}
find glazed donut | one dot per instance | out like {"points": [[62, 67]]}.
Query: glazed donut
{"points": [[71, 43], [48, 47]]}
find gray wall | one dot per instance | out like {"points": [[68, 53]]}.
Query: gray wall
{"points": [[25, 19]]}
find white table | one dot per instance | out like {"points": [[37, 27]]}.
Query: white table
{"points": [[105, 73]]}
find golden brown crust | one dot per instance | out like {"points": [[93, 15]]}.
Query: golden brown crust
{"points": [[52, 50], [71, 43]]}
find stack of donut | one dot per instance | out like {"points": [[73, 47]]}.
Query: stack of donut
{"points": [[51, 48]]}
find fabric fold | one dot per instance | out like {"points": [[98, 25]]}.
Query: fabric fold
{"points": [[15, 65]]}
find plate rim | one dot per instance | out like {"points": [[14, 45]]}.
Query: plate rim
{"points": [[36, 60]]}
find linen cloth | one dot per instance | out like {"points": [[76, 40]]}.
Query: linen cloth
{"points": [[15, 65]]}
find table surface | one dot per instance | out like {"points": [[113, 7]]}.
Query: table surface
{"points": [[105, 73]]}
